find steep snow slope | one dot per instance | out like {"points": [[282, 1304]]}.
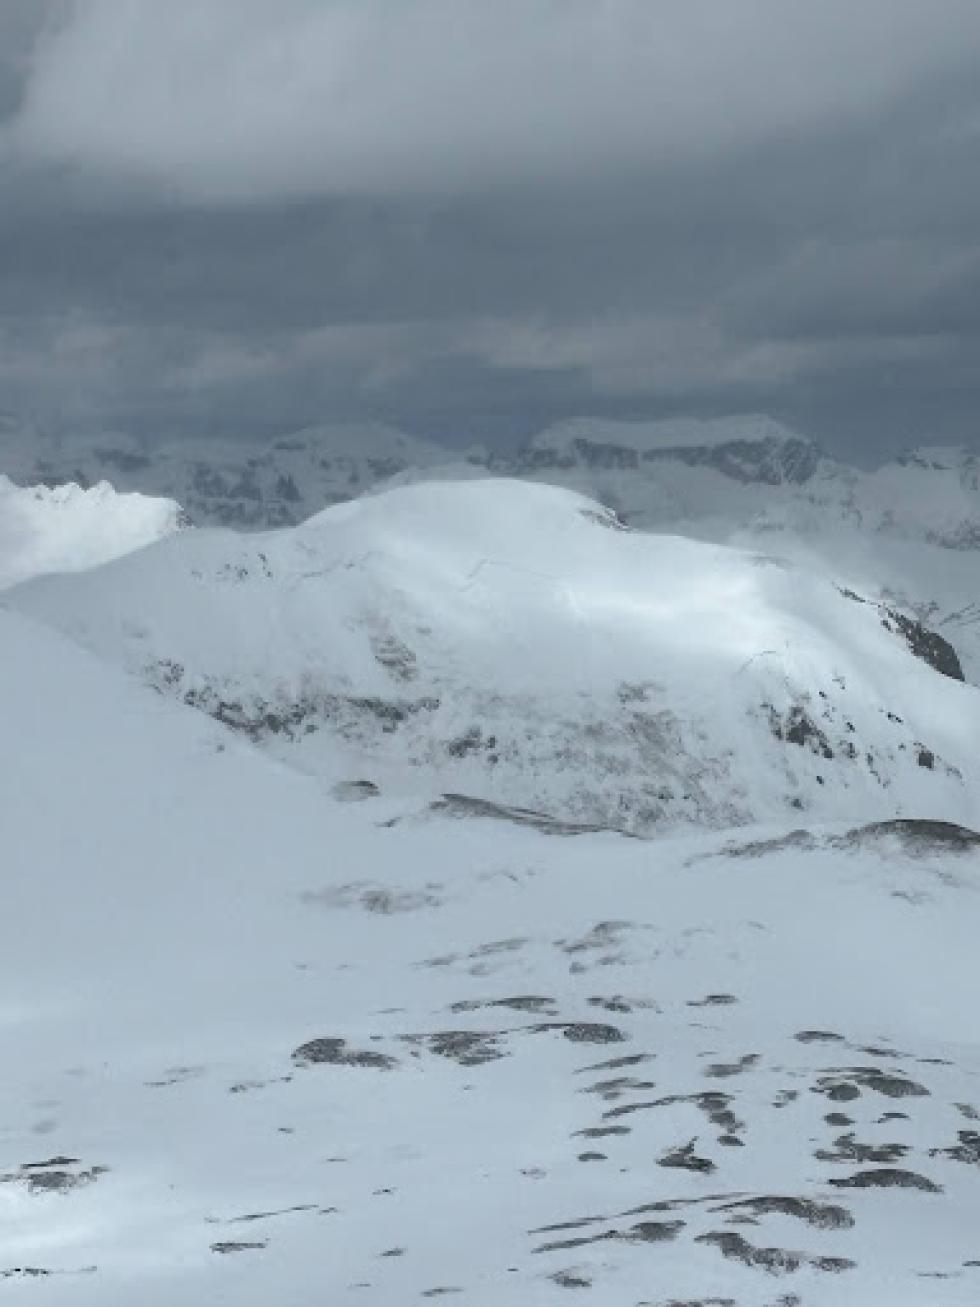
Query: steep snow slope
{"points": [[511, 642], [261, 1047], [68, 529]]}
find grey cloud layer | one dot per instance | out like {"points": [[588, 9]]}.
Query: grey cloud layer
{"points": [[472, 217], [243, 98]]}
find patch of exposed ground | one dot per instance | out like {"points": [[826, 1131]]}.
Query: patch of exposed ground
{"points": [[382, 900], [888, 1178], [822, 1216], [468, 805], [646, 1232], [57, 1175], [331, 1051], [774, 1261]]}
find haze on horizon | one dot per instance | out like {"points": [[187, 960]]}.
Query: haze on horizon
{"points": [[471, 218]]}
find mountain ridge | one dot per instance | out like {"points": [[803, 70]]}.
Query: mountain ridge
{"points": [[513, 641], [906, 533]]}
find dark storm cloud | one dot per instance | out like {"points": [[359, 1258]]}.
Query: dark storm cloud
{"points": [[471, 217]]}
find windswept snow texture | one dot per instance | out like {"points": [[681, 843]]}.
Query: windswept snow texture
{"points": [[511, 642], [67, 529], [261, 1047]]}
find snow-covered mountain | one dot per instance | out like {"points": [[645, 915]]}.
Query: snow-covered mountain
{"points": [[722, 471], [512, 642], [907, 533], [749, 450], [67, 529], [329, 973], [264, 1046]]}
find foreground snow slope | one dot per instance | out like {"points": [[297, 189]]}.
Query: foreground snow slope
{"points": [[68, 529], [511, 642], [263, 1047]]}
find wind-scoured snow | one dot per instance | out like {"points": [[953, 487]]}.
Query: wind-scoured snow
{"points": [[68, 529], [511, 643]]}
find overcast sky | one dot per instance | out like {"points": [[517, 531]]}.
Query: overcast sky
{"points": [[472, 217]]}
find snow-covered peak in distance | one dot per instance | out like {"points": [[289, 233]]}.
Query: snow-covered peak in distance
{"points": [[664, 473], [67, 529], [510, 642], [666, 433], [749, 447]]}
